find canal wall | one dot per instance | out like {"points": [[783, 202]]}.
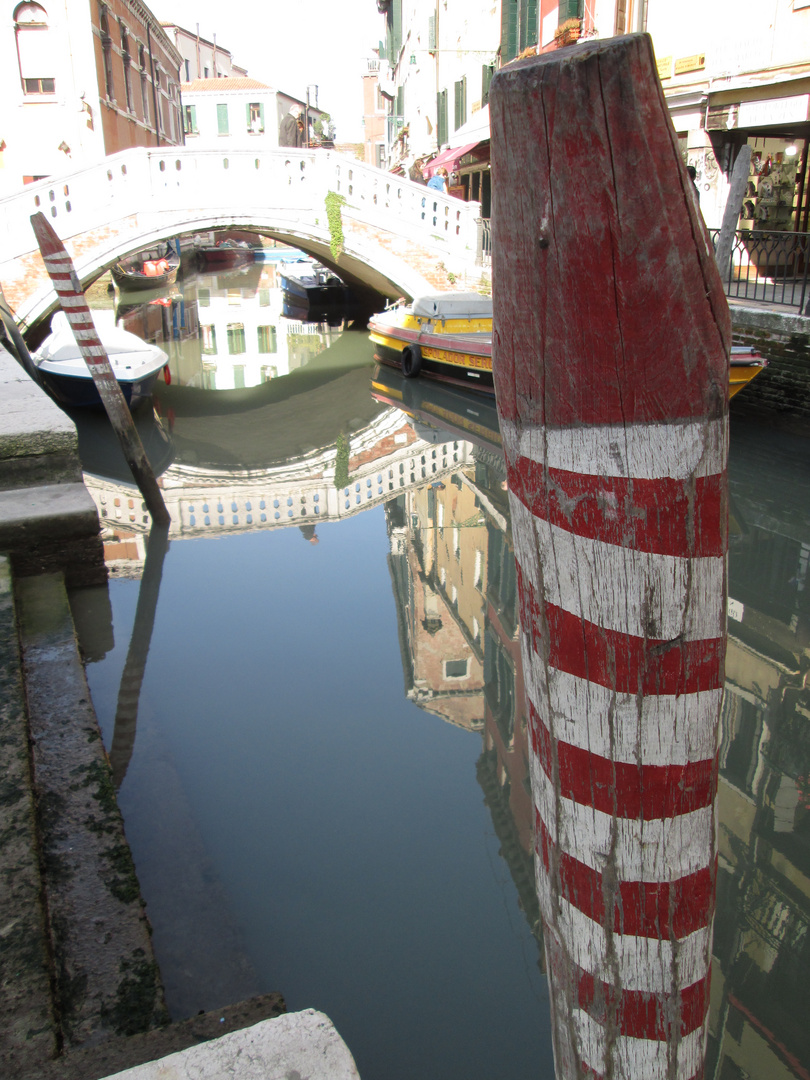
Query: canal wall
{"points": [[48, 521], [782, 390]]}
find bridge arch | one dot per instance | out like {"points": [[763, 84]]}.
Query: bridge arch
{"points": [[395, 237]]}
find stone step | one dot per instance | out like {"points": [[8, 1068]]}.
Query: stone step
{"points": [[38, 442], [28, 1032], [52, 528], [106, 980]]}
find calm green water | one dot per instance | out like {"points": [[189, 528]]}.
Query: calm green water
{"points": [[326, 783]]}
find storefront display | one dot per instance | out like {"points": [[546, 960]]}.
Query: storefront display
{"points": [[770, 196]]}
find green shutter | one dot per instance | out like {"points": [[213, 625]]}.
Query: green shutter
{"points": [[487, 71], [432, 33], [569, 9], [393, 31], [441, 118], [261, 114], [193, 109], [222, 119], [247, 115], [460, 114], [509, 30], [528, 23], [400, 103]]}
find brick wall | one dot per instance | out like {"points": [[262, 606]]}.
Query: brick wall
{"points": [[783, 388]]}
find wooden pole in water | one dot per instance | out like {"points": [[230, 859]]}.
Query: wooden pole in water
{"points": [[610, 348], [71, 296]]}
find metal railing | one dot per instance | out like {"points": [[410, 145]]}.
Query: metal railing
{"points": [[484, 242], [769, 268]]}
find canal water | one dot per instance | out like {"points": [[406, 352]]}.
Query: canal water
{"points": [[314, 708]]}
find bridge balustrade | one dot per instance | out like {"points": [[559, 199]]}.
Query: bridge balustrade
{"points": [[200, 184]]}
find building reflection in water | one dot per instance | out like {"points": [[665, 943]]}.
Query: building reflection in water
{"points": [[452, 569], [432, 457]]}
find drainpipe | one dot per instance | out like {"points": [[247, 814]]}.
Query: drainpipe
{"points": [[154, 94], [641, 17], [438, 54]]}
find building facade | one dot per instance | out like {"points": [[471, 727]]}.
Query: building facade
{"points": [[200, 58], [732, 73], [80, 81], [374, 115], [219, 112]]}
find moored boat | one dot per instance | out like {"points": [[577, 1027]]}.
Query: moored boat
{"points": [[225, 253], [446, 335], [135, 363], [449, 336], [141, 272], [745, 364], [307, 284]]}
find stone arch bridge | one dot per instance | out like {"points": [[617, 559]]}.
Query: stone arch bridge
{"points": [[396, 238]]}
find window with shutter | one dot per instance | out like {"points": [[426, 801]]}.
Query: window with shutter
{"points": [[35, 49], [190, 119], [460, 103], [222, 119], [509, 30], [441, 118], [569, 9], [487, 71]]}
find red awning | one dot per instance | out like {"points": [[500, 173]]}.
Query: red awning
{"points": [[449, 158]]}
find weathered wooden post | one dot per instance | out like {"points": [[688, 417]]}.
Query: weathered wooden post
{"points": [[63, 275], [611, 343]]}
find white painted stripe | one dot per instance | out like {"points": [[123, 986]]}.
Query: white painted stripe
{"points": [[651, 730], [658, 597], [73, 302], [646, 451], [663, 849], [95, 350], [641, 1058], [85, 335], [61, 257], [650, 965]]}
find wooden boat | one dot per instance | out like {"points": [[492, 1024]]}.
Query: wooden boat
{"points": [[136, 365], [225, 254], [449, 336], [139, 272]]}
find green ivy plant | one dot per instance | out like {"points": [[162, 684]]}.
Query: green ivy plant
{"points": [[342, 461], [333, 216]]}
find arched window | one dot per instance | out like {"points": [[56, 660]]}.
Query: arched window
{"points": [[35, 49]]}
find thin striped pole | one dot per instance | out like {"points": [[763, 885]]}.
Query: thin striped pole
{"points": [[71, 297], [610, 350]]}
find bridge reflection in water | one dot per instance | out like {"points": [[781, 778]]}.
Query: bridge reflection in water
{"points": [[432, 457]]}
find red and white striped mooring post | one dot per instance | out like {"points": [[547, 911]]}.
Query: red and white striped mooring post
{"points": [[63, 276], [611, 340]]}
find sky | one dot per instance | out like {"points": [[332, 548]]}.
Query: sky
{"points": [[290, 44]]}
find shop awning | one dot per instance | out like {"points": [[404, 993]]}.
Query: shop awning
{"points": [[449, 158]]}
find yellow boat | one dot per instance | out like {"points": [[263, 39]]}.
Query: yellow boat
{"points": [[745, 363], [449, 336], [446, 335]]}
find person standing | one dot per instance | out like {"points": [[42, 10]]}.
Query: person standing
{"points": [[438, 182], [415, 172]]}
